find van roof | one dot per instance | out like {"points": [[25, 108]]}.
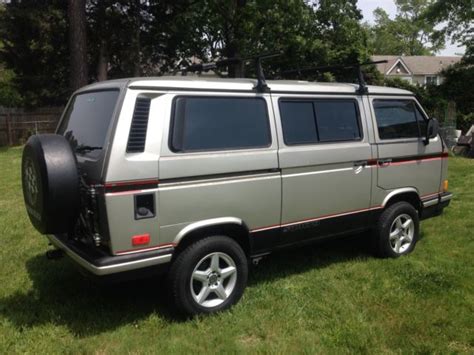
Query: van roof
{"points": [[192, 83]]}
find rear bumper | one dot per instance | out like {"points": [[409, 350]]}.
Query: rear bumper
{"points": [[99, 263], [435, 205]]}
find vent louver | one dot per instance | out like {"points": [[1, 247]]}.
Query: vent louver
{"points": [[137, 137]]}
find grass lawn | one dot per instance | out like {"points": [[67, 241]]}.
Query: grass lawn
{"points": [[327, 298]]}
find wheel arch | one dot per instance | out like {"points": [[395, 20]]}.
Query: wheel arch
{"points": [[231, 227], [407, 194]]}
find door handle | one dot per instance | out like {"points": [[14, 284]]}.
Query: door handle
{"points": [[384, 162], [360, 163]]}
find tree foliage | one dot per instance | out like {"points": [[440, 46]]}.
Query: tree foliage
{"points": [[136, 37], [34, 39], [456, 18], [409, 33], [153, 37]]}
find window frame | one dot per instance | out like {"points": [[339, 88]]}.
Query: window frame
{"points": [[185, 151], [416, 106], [431, 77], [312, 100]]}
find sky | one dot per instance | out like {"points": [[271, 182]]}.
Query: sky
{"points": [[368, 6]]}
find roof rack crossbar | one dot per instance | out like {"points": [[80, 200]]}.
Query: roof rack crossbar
{"points": [[358, 66], [261, 85]]}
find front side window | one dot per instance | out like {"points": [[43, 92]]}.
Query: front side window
{"points": [[219, 123], [397, 119], [313, 121]]}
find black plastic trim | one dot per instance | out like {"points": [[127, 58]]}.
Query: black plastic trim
{"points": [[139, 127]]}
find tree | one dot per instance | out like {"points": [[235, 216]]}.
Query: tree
{"points": [[457, 86], [307, 33], [456, 17], [409, 33], [77, 44], [152, 37], [34, 36]]}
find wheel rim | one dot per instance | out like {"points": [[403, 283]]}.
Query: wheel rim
{"points": [[402, 232], [31, 182], [213, 279]]}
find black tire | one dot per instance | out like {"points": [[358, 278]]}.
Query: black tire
{"points": [[181, 270], [50, 183], [385, 246]]}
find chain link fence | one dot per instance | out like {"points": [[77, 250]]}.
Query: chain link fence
{"points": [[17, 124]]}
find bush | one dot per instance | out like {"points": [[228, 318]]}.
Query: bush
{"points": [[464, 122], [430, 97]]}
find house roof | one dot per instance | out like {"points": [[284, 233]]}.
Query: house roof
{"points": [[417, 64]]}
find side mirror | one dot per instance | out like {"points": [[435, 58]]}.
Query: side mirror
{"points": [[432, 129]]}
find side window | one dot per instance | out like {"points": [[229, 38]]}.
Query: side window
{"points": [[219, 123], [337, 120], [297, 119], [396, 119], [313, 121]]}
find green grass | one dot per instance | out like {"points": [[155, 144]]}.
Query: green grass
{"points": [[327, 298]]}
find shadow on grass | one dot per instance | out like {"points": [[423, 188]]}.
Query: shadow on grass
{"points": [[62, 296]]}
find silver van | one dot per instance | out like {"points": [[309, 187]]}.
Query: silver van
{"points": [[198, 177]]}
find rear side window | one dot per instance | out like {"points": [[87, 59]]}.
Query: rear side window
{"points": [[313, 121], [398, 119], [215, 123]]}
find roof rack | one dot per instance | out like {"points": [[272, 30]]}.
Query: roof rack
{"points": [[261, 85], [363, 90]]}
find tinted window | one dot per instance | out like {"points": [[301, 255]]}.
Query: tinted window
{"points": [[314, 121], [396, 119], [337, 120], [205, 123], [297, 119], [88, 117]]}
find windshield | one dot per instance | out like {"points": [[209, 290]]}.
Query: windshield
{"points": [[87, 120]]}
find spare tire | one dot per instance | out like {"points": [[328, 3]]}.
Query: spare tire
{"points": [[50, 183]]}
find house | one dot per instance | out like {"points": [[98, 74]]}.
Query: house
{"points": [[417, 69]]}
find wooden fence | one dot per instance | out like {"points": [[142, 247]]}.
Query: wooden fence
{"points": [[17, 124]]}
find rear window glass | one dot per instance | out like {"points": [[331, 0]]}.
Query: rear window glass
{"points": [[313, 121], [214, 123], [87, 119], [396, 119]]}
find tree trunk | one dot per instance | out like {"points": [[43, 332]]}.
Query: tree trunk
{"points": [[233, 51], [135, 46], [77, 44], [103, 62]]}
